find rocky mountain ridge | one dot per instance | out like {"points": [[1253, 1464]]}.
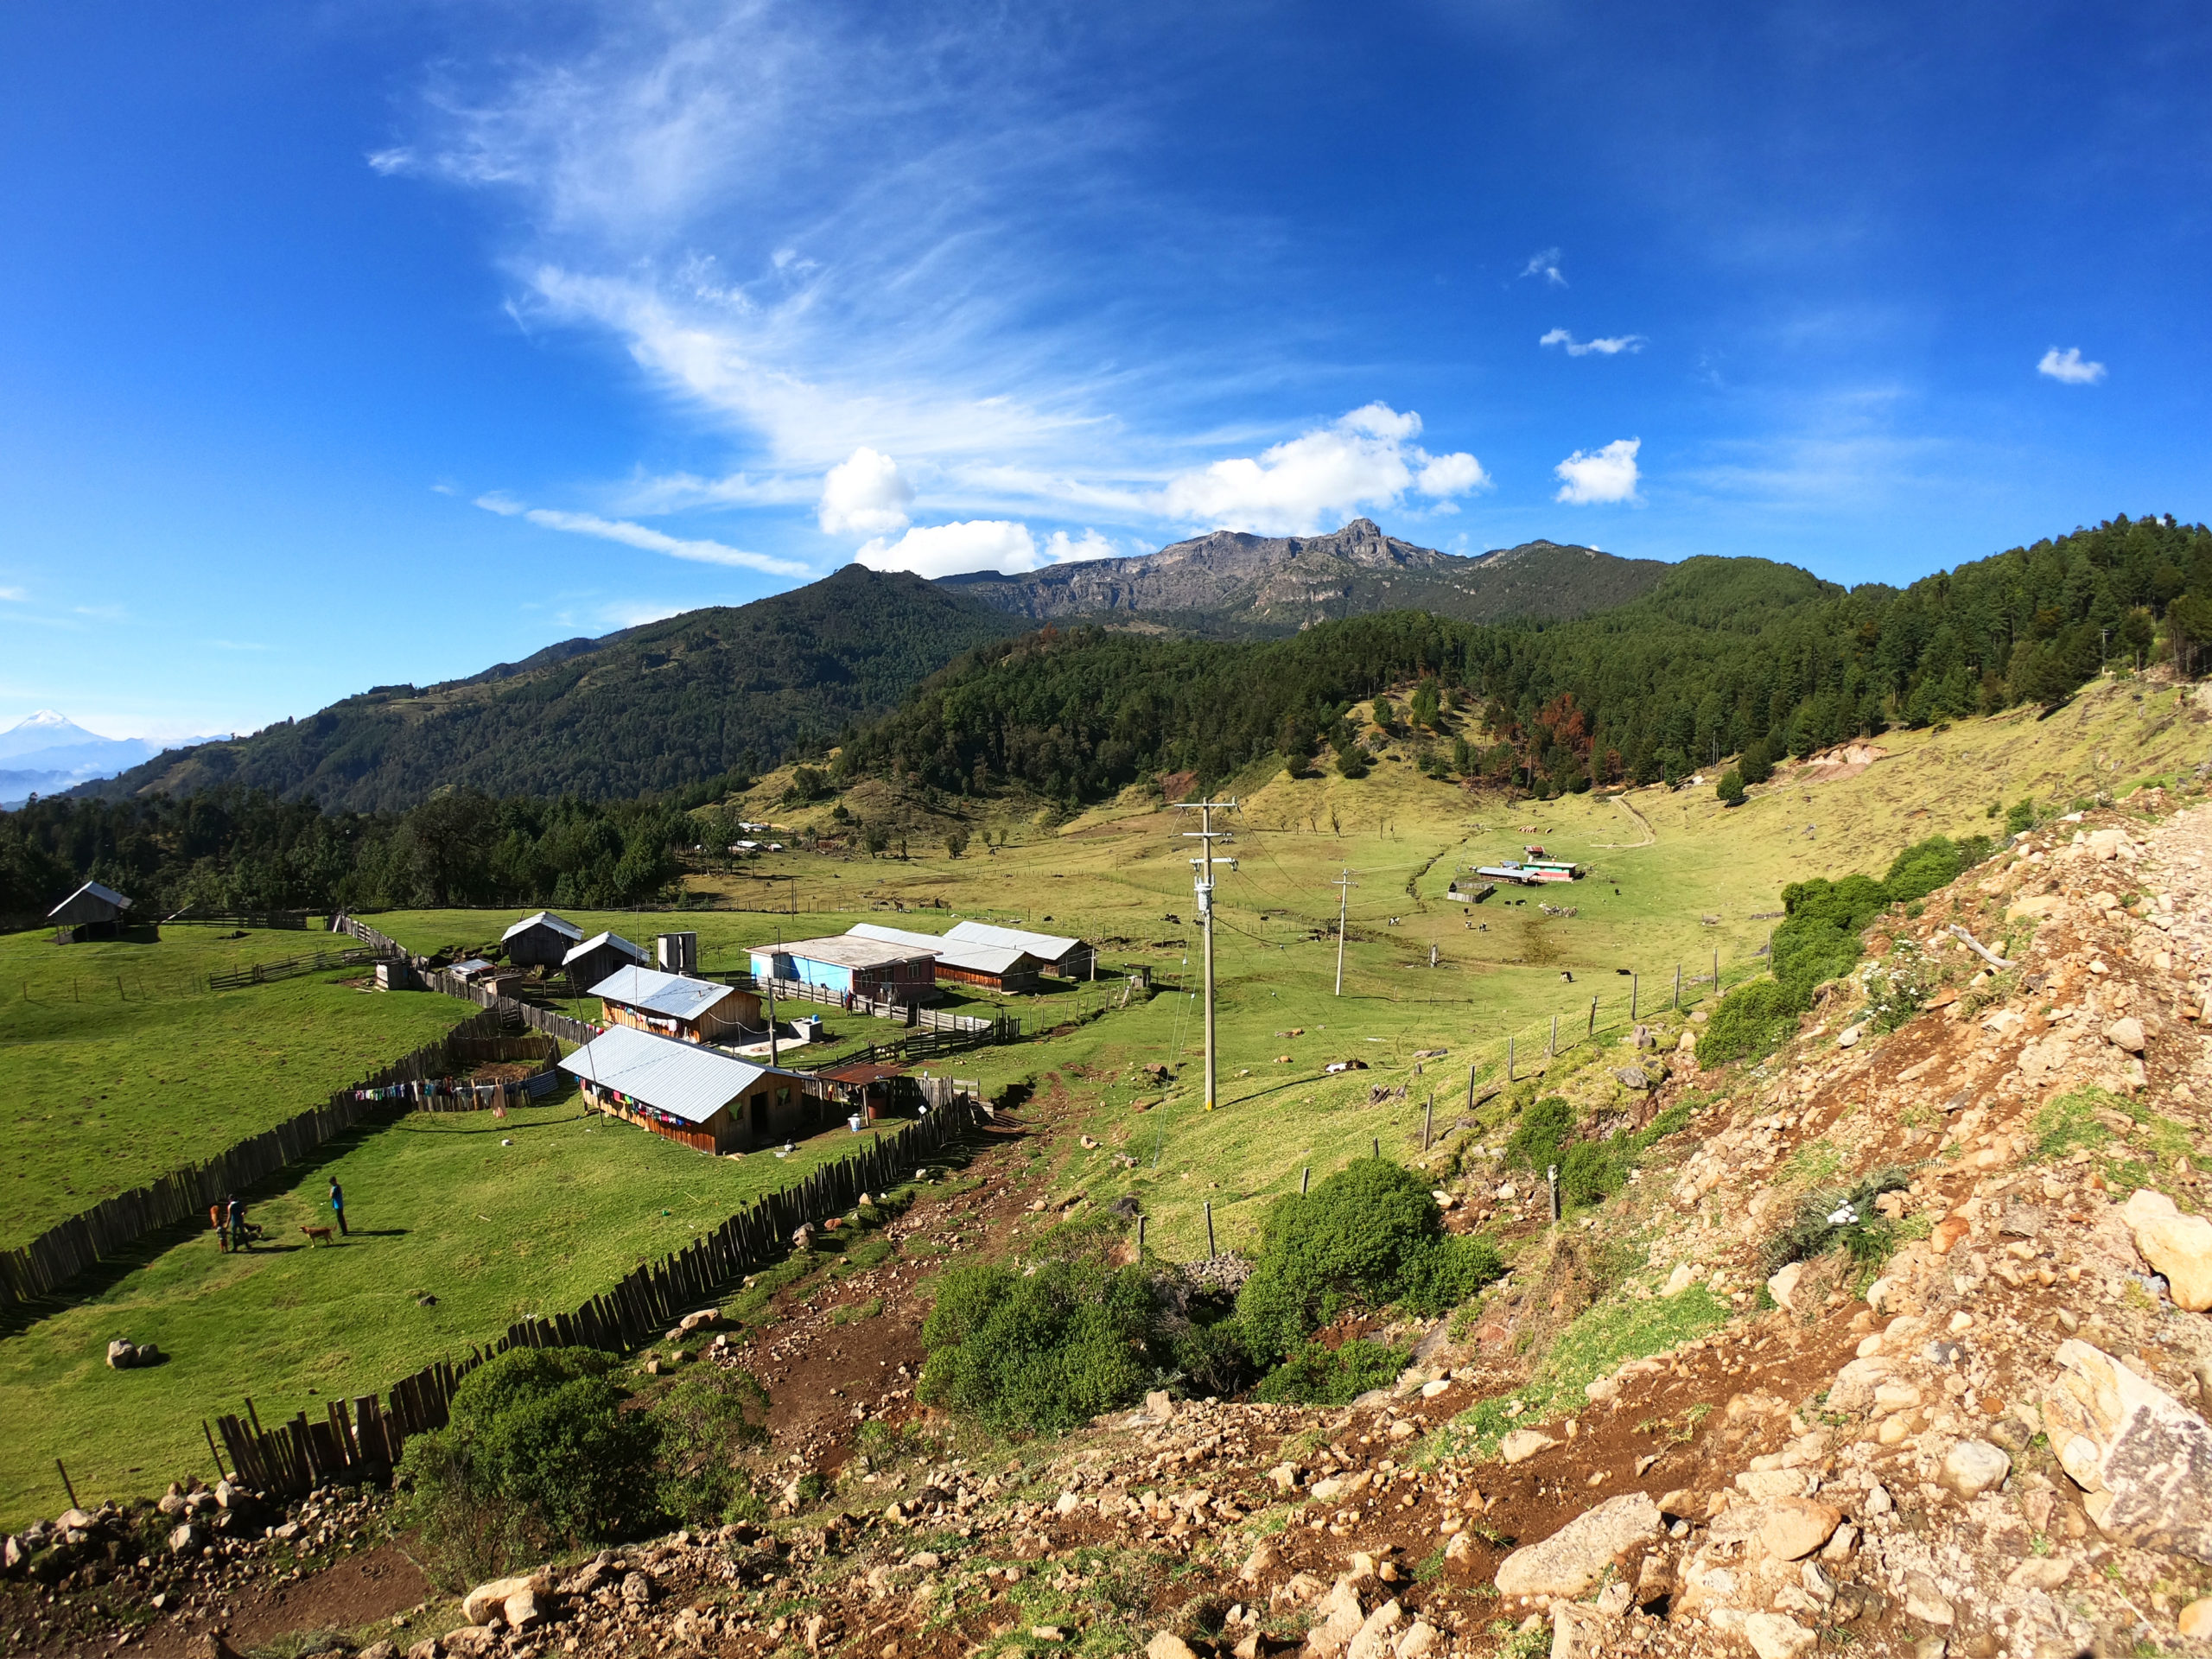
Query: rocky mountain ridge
{"points": [[1231, 581]]}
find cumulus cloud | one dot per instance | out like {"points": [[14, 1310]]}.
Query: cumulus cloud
{"points": [[641, 536], [1546, 265], [1589, 477], [1604, 345], [1368, 458], [2069, 368], [865, 493], [956, 549], [1060, 547]]}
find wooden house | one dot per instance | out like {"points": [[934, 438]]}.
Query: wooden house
{"points": [[842, 965], [92, 913], [690, 1010], [994, 967], [541, 940], [1060, 957], [601, 957], [699, 1096], [865, 1090]]}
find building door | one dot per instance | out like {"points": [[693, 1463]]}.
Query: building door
{"points": [[758, 1108]]}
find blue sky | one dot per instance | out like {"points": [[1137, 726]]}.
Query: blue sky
{"points": [[343, 345]]}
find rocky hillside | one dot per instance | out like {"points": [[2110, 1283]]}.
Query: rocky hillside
{"points": [[1896, 1344], [1233, 583]]}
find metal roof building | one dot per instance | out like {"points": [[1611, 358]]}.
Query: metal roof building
{"points": [[1064, 957], [91, 911], [852, 966], [999, 968], [541, 940], [676, 1004], [694, 1095]]}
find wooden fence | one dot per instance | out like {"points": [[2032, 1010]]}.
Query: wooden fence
{"points": [[298, 1455], [261, 973], [113, 1225]]}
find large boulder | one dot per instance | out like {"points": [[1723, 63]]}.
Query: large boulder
{"points": [[2176, 1245], [2142, 1459], [1574, 1559], [489, 1600], [1341, 1620], [1793, 1527]]}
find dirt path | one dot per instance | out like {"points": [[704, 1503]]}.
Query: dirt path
{"points": [[1650, 836]]}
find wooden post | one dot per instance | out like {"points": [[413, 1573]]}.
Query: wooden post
{"points": [[1210, 1251], [1509, 1059], [1716, 970], [1139, 1238], [1553, 1049], [66, 1486], [1471, 1088], [1593, 1031], [1551, 1177], [1378, 1145], [211, 1448], [1304, 1180], [1427, 1116], [1678, 987], [1633, 981]]}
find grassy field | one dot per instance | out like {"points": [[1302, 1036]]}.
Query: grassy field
{"points": [[117, 1064], [440, 1204]]}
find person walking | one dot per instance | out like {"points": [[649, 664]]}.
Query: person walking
{"points": [[234, 1213], [338, 1204]]}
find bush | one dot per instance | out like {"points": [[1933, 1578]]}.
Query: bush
{"points": [[1818, 939], [1922, 867], [1899, 985], [1540, 1136], [706, 1418], [1750, 1023], [1730, 789], [1369, 1235], [1758, 763], [1829, 1218], [540, 1450], [1316, 1376], [1042, 1351], [2021, 816]]}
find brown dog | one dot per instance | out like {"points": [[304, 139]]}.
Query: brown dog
{"points": [[316, 1233]]}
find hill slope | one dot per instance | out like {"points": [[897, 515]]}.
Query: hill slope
{"points": [[651, 708], [1236, 584]]}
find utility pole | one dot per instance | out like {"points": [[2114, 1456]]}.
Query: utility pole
{"points": [[1205, 834], [1343, 884]]}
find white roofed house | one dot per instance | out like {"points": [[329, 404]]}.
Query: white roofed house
{"points": [[698, 1097], [601, 957], [541, 940], [1058, 955], [994, 967], [677, 1005]]}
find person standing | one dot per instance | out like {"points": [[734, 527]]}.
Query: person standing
{"points": [[338, 1204], [234, 1213]]}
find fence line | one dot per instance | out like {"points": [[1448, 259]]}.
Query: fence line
{"points": [[298, 1455], [70, 1247], [261, 973]]}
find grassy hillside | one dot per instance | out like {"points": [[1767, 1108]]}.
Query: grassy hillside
{"points": [[652, 707]]}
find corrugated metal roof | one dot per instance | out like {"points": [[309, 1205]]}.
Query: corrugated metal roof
{"points": [[952, 953], [671, 994], [844, 951], [566, 929], [1046, 947], [107, 895], [597, 940], [680, 1078]]}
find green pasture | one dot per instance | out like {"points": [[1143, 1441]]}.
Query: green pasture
{"points": [[116, 1063], [440, 1204]]}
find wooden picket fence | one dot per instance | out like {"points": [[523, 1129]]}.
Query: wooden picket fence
{"points": [[112, 1225], [261, 973], [297, 1456]]}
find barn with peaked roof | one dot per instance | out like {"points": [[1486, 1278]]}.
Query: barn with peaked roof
{"points": [[601, 957], [541, 940], [92, 913], [698, 1097], [1061, 957], [677, 1005], [994, 967]]}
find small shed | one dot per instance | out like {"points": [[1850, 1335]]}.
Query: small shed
{"points": [[842, 965], [602, 957], [872, 1091], [92, 913], [541, 940], [1062, 958], [993, 967], [692, 1010], [697, 1096]]}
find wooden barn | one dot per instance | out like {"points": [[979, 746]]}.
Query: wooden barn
{"points": [[92, 913], [852, 967], [697, 1096], [601, 957], [541, 941], [1062, 958], [690, 1010], [994, 967]]}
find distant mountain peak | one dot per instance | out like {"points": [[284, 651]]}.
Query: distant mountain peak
{"points": [[48, 721]]}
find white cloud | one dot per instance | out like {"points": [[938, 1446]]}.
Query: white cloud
{"points": [[2068, 368], [1059, 547], [643, 536], [15, 595], [1546, 265], [637, 613], [1589, 477], [865, 493], [1368, 458], [1604, 346], [954, 550]]}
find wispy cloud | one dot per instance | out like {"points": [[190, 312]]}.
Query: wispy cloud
{"points": [[1593, 477], [1546, 265], [641, 536], [1604, 346], [2069, 367], [15, 595]]}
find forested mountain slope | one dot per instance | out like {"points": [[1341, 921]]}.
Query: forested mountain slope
{"points": [[1233, 585], [649, 708]]}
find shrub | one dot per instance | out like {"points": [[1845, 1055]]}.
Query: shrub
{"points": [[1316, 1376], [1045, 1351], [1829, 1218], [1818, 939], [1758, 763], [1214, 1358], [1370, 1233], [1750, 1023], [1898, 985], [1544, 1131], [540, 1449], [1591, 1172], [706, 1418], [1352, 762], [1730, 789], [2021, 816]]}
